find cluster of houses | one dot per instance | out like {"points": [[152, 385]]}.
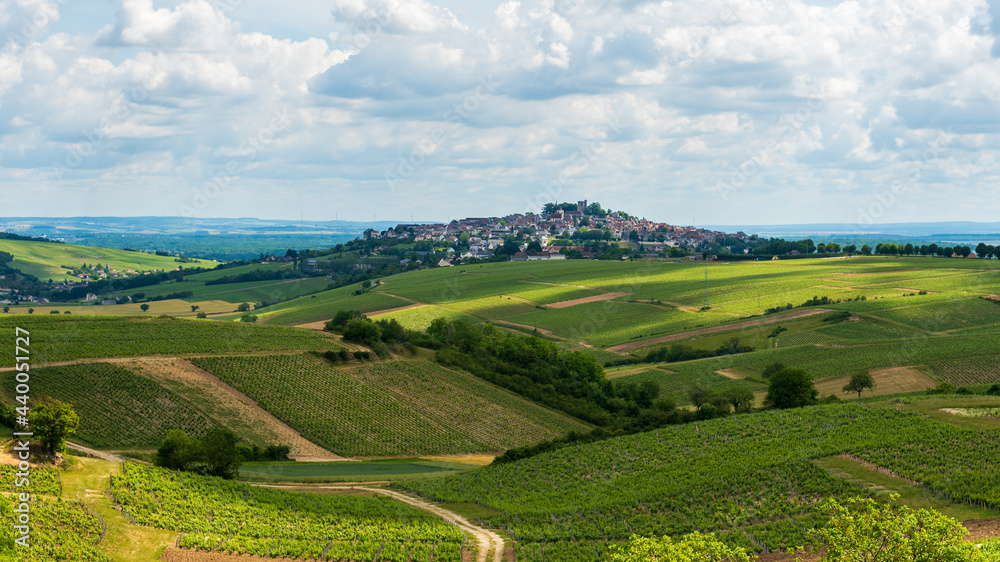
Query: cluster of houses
{"points": [[486, 234]]}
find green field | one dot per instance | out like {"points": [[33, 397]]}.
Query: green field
{"points": [[117, 407], [340, 471], [45, 260], [388, 409], [219, 515], [64, 338], [324, 306], [749, 478]]}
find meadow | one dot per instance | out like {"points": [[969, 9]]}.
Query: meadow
{"points": [[46, 260]]}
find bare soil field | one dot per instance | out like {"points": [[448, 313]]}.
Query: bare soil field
{"points": [[887, 381], [732, 374], [232, 405]]}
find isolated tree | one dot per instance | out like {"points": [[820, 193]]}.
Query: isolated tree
{"points": [[249, 318], [866, 250], [202, 315], [6, 309], [220, 453], [243, 307], [31, 311], [741, 397], [694, 547], [178, 451], [859, 383], [144, 307], [868, 530], [52, 422], [194, 307], [791, 388]]}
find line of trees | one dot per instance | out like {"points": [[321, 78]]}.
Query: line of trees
{"points": [[217, 453]]}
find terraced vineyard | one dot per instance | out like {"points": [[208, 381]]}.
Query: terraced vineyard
{"points": [[117, 407], [984, 369], [398, 408], [224, 516], [747, 478], [62, 338], [867, 330], [322, 307], [951, 315]]}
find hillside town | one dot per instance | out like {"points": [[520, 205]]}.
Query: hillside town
{"points": [[552, 228]]}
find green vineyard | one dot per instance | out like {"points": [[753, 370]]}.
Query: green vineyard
{"points": [[117, 407], [67, 338], [224, 516], [748, 478], [396, 408]]}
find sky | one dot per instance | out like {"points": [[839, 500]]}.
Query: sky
{"points": [[689, 112]]}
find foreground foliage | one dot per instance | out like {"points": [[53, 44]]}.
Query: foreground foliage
{"points": [[689, 548], [863, 530]]}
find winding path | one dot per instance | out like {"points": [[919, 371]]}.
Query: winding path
{"points": [[489, 542]]}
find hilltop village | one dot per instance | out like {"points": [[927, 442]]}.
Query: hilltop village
{"points": [[557, 232]]}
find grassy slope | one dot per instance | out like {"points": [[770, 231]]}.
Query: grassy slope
{"points": [[398, 408], [63, 338], [754, 477], [44, 259]]}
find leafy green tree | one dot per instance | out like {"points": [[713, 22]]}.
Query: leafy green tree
{"points": [[202, 315], [362, 330], [249, 318], [866, 250], [859, 383], [6, 309], [144, 307], [791, 388], [52, 422], [194, 307], [694, 547], [221, 454], [741, 397], [31, 311], [865, 530], [178, 451], [243, 307], [771, 369]]}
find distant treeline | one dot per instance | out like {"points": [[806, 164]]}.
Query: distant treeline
{"points": [[12, 236], [111, 285]]}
